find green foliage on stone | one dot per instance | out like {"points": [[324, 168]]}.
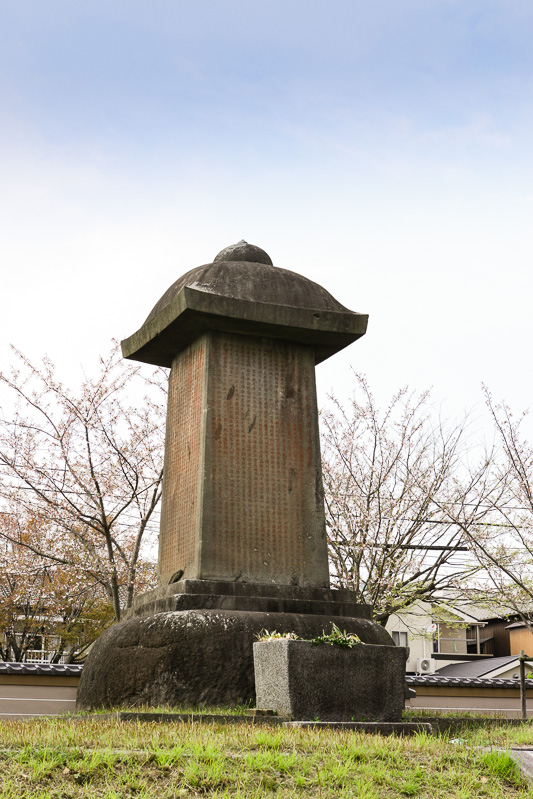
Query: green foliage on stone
{"points": [[336, 637], [273, 635]]}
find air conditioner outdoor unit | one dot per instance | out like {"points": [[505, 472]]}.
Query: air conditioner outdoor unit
{"points": [[425, 666]]}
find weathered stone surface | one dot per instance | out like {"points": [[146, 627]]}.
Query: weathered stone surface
{"points": [[192, 657], [255, 597], [236, 588], [249, 298], [242, 491], [331, 683], [242, 251]]}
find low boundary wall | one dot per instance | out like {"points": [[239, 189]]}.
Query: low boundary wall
{"points": [[37, 689], [452, 694], [31, 689]]}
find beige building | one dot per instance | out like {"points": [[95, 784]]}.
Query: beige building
{"points": [[436, 637], [413, 629]]}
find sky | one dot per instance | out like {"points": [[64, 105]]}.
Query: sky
{"points": [[382, 149]]}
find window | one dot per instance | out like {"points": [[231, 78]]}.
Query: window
{"points": [[399, 638]]}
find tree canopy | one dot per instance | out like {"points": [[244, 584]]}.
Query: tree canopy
{"points": [[503, 545], [84, 469], [400, 501]]}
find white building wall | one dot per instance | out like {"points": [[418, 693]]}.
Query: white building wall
{"points": [[414, 622]]}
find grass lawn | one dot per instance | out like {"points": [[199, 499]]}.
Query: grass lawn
{"points": [[102, 758]]}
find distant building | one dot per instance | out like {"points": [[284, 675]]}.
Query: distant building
{"points": [[437, 635]]}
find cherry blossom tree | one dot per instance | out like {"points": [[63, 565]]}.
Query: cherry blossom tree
{"points": [[400, 499], [503, 544], [47, 611], [86, 467]]}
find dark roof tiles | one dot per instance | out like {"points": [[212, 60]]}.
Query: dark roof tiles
{"points": [[61, 669], [451, 682], [475, 668]]}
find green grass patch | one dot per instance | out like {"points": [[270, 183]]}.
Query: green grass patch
{"points": [[501, 736], [414, 712], [107, 759], [503, 765], [201, 710]]}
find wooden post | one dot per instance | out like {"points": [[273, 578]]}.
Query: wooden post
{"points": [[523, 685]]}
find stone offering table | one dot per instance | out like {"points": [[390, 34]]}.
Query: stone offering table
{"points": [[294, 679], [243, 542]]}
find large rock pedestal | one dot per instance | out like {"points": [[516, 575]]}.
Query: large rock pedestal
{"points": [[195, 657], [203, 653]]}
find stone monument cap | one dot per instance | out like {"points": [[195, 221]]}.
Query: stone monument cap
{"points": [[242, 292], [242, 251]]}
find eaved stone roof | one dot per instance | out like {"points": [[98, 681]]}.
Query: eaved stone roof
{"points": [[242, 292], [246, 272], [44, 669]]}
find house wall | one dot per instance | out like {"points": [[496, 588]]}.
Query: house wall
{"points": [[512, 673], [519, 639], [23, 695], [489, 700], [500, 645], [414, 622]]}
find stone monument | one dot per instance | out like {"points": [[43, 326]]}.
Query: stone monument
{"points": [[242, 542]]}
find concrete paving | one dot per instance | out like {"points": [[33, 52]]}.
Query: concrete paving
{"points": [[372, 727], [524, 759]]}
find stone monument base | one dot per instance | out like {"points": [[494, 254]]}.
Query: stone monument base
{"points": [[255, 597], [204, 656]]}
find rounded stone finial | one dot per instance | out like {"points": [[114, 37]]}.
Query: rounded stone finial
{"points": [[242, 251]]}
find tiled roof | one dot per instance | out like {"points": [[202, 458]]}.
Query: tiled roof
{"points": [[483, 613], [61, 669], [452, 682], [476, 668]]}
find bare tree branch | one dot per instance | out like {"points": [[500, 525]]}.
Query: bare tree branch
{"points": [[390, 478], [89, 464]]}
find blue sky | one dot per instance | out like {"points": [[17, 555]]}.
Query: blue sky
{"points": [[383, 149]]}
